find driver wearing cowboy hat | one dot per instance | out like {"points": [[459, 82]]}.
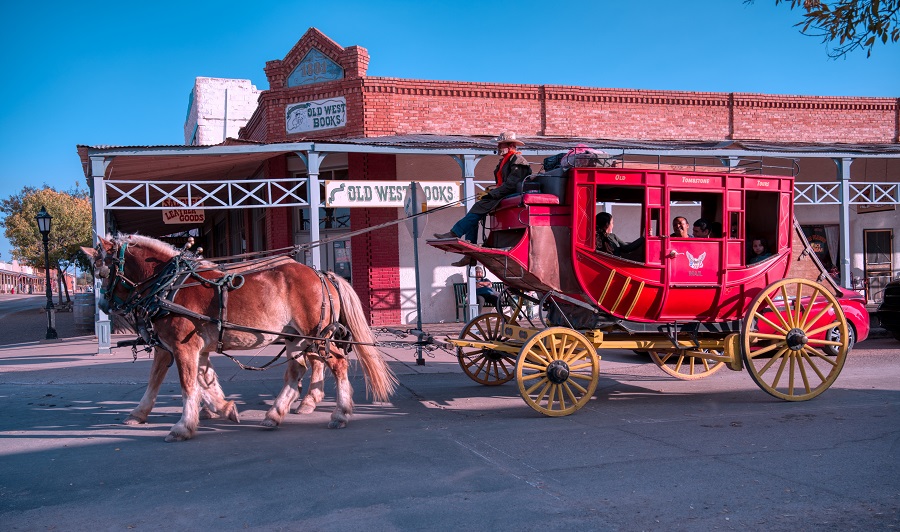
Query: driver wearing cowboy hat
{"points": [[510, 172]]}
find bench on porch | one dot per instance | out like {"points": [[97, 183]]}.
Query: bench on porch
{"points": [[461, 295]]}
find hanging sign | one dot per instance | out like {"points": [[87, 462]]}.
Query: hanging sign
{"points": [[387, 193], [182, 215], [316, 115]]}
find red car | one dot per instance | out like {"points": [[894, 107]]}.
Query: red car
{"points": [[854, 306]]}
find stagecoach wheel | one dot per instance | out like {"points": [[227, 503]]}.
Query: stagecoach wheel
{"points": [[783, 343], [483, 365], [557, 371], [686, 364]]}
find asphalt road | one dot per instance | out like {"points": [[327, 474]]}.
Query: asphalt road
{"points": [[647, 453]]}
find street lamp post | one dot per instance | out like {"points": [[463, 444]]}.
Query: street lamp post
{"points": [[44, 221]]}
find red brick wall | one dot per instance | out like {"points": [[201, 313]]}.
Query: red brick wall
{"points": [[391, 106], [376, 276], [278, 220]]}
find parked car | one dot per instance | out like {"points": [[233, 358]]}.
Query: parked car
{"points": [[889, 311], [854, 306]]}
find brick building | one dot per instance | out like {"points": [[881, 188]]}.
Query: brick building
{"points": [[323, 119]]}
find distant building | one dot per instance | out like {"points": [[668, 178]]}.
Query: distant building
{"points": [[217, 109]]}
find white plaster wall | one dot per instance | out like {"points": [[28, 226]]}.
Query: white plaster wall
{"points": [[208, 109], [436, 276]]}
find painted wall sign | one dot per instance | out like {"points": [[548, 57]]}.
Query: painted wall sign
{"points": [[182, 215], [387, 193], [316, 115], [315, 68]]}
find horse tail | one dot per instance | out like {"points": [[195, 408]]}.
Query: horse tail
{"points": [[380, 380]]}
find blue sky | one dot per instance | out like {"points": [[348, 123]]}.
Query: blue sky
{"points": [[119, 73]]}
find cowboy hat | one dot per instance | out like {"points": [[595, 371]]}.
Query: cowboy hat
{"points": [[508, 137]]}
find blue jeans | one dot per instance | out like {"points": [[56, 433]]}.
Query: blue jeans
{"points": [[467, 227]]}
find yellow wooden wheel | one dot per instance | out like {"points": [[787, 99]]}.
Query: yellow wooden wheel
{"points": [[783, 336], [557, 371], [484, 365], [688, 365]]}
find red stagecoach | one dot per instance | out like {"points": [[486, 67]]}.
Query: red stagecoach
{"points": [[694, 304]]}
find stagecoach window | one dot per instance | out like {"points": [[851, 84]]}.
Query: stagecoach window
{"points": [[761, 218], [734, 230], [694, 205]]}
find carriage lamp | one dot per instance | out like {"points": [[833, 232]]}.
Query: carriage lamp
{"points": [[44, 221]]}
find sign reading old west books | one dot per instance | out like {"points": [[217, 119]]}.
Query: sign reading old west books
{"points": [[316, 115], [387, 193]]}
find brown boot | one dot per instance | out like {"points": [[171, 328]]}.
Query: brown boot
{"points": [[448, 234], [465, 261]]}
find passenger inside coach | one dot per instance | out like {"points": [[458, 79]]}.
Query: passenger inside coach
{"points": [[759, 251], [701, 228], [680, 227], [608, 242]]}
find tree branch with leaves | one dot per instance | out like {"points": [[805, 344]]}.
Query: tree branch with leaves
{"points": [[852, 24]]}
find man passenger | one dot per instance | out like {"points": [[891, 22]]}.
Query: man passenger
{"points": [[680, 227], [701, 228]]}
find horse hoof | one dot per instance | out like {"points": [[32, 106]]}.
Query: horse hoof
{"points": [[132, 420], [233, 414], [306, 408], [269, 424], [172, 437], [337, 424], [206, 413]]}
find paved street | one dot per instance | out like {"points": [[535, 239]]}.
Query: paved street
{"points": [[649, 452]]}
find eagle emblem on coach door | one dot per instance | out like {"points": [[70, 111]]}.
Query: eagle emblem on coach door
{"points": [[696, 262]]}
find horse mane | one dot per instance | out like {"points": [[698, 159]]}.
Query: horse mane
{"points": [[151, 244], [154, 245]]}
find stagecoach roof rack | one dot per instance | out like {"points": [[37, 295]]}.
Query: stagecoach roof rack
{"points": [[743, 165]]}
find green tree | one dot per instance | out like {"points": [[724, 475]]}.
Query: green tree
{"points": [[71, 212], [852, 24]]}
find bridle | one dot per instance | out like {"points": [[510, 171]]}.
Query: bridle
{"points": [[108, 291]]}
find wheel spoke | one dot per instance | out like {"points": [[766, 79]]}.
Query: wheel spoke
{"points": [[823, 328], [777, 313], [541, 395], [798, 306], [574, 384], [581, 366], [772, 324], [784, 362], [581, 376], [811, 364], [764, 350], [787, 306], [778, 355], [812, 302], [824, 342], [538, 384], [569, 393], [765, 336], [820, 355], [562, 399], [821, 313]]}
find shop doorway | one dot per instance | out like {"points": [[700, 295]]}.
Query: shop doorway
{"points": [[879, 264]]}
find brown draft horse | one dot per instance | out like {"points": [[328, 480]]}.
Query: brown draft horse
{"points": [[256, 307]]}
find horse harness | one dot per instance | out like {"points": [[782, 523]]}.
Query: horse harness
{"points": [[152, 299]]}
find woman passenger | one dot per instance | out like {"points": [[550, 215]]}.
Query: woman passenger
{"points": [[607, 242]]}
